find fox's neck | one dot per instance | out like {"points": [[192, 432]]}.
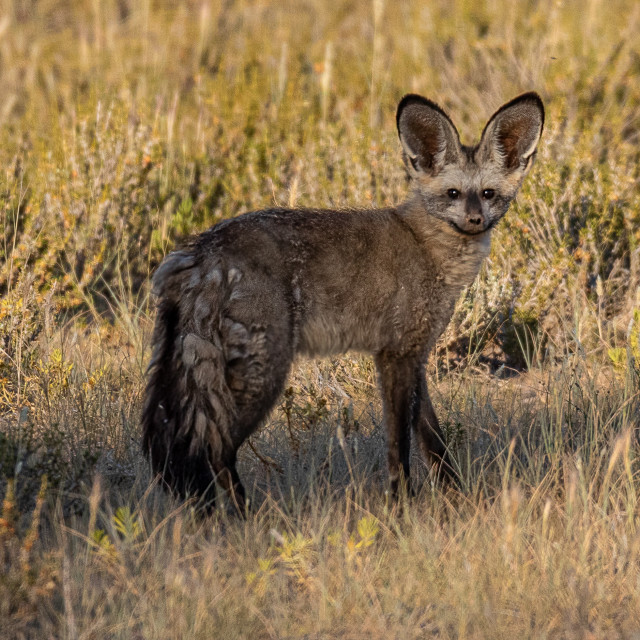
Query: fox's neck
{"points": [[457, 257]]}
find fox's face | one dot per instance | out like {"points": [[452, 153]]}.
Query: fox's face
{"points": [[470, 188]]}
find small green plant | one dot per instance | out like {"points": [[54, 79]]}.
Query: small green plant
{"points": [[103, 545], [127, 525]]}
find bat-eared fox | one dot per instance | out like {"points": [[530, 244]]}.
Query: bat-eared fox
{"points": [[239, 302]]}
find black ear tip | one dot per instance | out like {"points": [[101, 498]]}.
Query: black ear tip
{"points": [[413, 99], [532, 98], [410, 99]]}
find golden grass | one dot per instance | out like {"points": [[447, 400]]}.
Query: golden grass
{"points": [[543, 542], [126, 124]]}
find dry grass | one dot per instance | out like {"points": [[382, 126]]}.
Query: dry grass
{"points": [[126, 124]]}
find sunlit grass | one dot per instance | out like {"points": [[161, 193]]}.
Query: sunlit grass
{"points": [[543, 542]]}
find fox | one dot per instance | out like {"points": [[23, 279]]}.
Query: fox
{"points": [[237, 304]]}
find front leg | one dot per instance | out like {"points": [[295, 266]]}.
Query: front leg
{"points": [[428, 431], [399, 382]]}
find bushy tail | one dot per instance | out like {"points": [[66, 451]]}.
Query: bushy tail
{"points": [[188, 409]]}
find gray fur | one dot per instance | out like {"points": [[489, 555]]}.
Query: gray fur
{"points": [[239, 302]]}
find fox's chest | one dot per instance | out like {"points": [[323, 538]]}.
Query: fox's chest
{"points": [[404, 307], [404, 319]]}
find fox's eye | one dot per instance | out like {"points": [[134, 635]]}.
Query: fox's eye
{"points": [[453, 194], [487, 194]]}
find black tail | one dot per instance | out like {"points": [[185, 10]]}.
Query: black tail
{"points": [[188, 407]]}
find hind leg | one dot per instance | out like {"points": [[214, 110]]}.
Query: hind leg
{"points": [[229, 480], [258, 359], [186, 473], [253, 404]]}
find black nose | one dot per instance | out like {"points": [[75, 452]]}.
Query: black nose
{"points": [[474, 219]]}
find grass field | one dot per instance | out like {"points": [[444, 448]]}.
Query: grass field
{"points": [[126, 125]]}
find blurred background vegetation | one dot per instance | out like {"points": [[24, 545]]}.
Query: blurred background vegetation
{"points": [[126, 125]]}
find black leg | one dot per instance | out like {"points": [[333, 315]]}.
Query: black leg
{"points": [[228, 478], [428, 431], [186, 473], [398, 379]]}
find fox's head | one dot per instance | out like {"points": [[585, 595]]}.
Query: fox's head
{"points": [[470, 188]]}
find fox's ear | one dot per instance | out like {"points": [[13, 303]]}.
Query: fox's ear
{"points": [[429, 139], [513, 132]]}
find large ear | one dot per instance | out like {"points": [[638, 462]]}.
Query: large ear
{"points": [[429, 139], [512, 134]]}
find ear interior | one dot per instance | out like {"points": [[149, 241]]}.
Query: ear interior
{"points": [[429, 139], [513, 132]]}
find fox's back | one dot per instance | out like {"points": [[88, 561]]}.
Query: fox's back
{"points": [[347, 279]]}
